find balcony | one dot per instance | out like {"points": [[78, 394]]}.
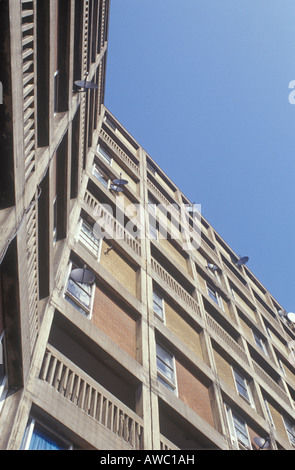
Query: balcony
{"points": [[111, 225], [175, 287], [91, 398], [119, 152]]}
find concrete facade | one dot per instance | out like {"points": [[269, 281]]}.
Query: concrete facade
{"points": [[161, 351]]}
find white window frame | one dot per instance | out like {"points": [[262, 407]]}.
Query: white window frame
{"points": [[87, 312], [260, 342], [160, 304], [110, 123], [162, 377], [88, 246], [29, 433], [214, 295], [56, 85], [240, 380], [214, 272], [104, 154], [55, 220], [153, 231], [238, 443], [4, 381], [269, 413], [281, 366], [102, 176], [290, 430]]}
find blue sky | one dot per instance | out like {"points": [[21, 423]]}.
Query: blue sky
{"points": [[202, 85]]}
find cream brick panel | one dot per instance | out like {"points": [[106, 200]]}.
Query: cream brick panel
{"points": [[244, 305], [169, 248], [224, 369], [278, 421], [247, 330], [119, 268], [183, 330]]}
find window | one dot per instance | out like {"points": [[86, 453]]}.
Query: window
{"points": [[152, 208], [158, 305], [281, 365], [3, 376], [110, 123], [56, 90], [268, 412], [39, 437], [97, 172], [102, 151], [153, 231], [290, 428], [55, 220], [80, 295], [238, 429], [214, 270], [151, 167], [152, 205], [260, 342], [166, 368], [88, 238], [213, 294], [243, 388]]}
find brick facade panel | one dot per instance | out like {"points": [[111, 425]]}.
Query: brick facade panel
{"points": [[183, 330], [119, 268], [193, 393], [115, 322]]}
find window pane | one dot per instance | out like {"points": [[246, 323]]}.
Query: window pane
{"points": [[82, 292], [167, 385], [88, 238], [104, 154], [213, 294], [41, 440], [100, 176], [290, 431], [158, 305], [165, 363], [241, 385], [241, 430]]}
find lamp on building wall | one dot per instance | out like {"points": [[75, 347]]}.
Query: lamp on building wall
{"points": [[83, 85], [108, 250], [82, 275], [261, 442]]}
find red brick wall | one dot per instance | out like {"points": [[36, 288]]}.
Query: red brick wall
{"points": [[115, 322], [193, 393]]}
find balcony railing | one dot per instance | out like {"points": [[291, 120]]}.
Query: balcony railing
{"points": [[271, 383], [175, 286], [165, 444], [111, 225], [118, 151], [228, 342], [91, 398]]}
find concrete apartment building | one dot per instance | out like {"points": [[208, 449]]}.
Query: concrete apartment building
{"points": [[122, 325]]}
